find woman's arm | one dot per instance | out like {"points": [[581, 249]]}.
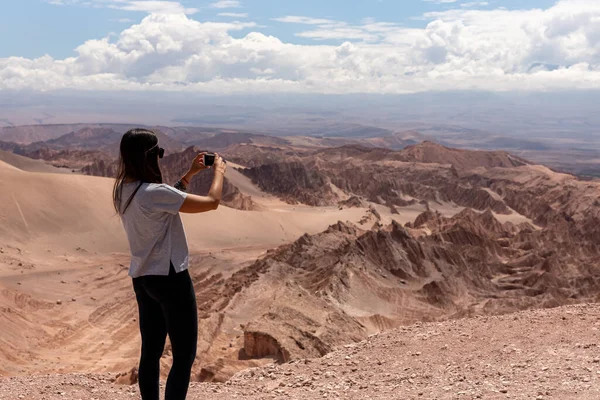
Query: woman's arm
{"points": [[196, 204]]}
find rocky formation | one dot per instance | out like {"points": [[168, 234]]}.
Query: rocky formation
{"points": [[293, 182], [372, 218], [394, 178], [258, 344], [290, 333], [469, 264], [390, 183], [236, 199], [106, 167], [250, 155], [429, 219], [430, 152], [127, 378], [351, 202]]}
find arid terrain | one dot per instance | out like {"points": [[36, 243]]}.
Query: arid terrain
{"points": [[325, 249], [541, 354]]}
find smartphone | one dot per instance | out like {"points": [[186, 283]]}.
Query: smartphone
{"points": [[209, 159]]}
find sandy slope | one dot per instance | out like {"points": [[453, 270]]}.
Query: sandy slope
{"points": [[57, 211], [28, 164], [70, 211], [541, 354]]}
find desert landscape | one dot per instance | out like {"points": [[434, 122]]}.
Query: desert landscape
{"points": [[410, 209], [381, 267]]}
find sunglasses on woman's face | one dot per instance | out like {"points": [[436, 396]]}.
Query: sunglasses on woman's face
{"points": [[161, 151]]}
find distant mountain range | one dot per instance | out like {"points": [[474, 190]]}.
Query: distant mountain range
{"points": [[56, 143]]}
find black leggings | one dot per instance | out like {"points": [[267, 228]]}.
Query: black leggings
{"points": [[167, 304]]}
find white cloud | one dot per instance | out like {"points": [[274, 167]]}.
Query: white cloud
{"points": [[535, 49], [294, 19], [154, 7], [475, 4], [327, 29], [62, 2], [233, 15], [440, 1], [226, 4], [149, 6]]}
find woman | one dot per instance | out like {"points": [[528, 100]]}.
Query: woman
{"points": [[149, 210]]}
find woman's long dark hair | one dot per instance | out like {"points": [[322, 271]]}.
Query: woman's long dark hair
{"points": [[138, 161]]}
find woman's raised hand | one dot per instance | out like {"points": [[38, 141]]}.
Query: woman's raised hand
{"points": [[220, 164], [198, 164]]}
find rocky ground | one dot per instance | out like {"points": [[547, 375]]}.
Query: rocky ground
{"points": [[540, 354]]}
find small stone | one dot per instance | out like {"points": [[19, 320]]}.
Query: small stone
{"points": [[59, 302]]}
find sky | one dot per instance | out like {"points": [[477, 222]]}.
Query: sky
{"points": [[309, 46]]}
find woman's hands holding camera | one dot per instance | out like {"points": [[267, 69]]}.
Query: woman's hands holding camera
{"points": [[198, 164], [220, 165]]}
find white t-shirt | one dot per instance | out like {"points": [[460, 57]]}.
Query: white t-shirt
{"points": [[154, 229]]}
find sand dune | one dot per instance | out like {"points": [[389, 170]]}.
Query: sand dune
{"points": [[57, 210], [28, 164], [70, 211]]}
